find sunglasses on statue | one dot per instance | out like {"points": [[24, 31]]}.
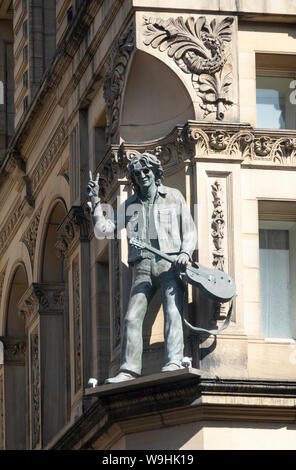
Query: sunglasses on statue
{"points": [[146, 171]]}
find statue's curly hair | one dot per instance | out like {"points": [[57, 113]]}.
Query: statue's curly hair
{"points": [[150, 161]]}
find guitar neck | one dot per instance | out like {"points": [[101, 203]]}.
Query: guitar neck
{"points": [[159, 253]]}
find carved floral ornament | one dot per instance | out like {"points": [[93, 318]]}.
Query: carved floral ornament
{"points": [[190, 141], [200, 48], [114, 79]]}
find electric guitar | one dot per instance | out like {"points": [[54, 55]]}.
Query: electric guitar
{"points": [[216, 284]]}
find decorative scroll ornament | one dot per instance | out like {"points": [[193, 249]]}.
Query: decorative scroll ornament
{"points": [[198, 48], [218, 224], [114, 79]]}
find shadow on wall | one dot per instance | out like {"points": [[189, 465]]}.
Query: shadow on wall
{"points": [[155, 100]]}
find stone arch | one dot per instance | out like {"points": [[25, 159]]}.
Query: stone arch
{"points": [[15, 364], [154, 100], [53, 323], [48, 267]]}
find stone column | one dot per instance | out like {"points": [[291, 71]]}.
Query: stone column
{"points": [[13, 395], [43, 306]]}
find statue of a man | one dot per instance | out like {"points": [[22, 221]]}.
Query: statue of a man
{"points": [[160, 217]]}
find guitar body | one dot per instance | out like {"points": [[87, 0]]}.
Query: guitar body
{"points": [[214, 283]]}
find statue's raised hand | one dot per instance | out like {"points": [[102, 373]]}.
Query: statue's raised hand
{"points": [[93, 191]]}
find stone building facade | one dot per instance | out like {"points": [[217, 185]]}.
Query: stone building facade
{"points": [[208, 87]]}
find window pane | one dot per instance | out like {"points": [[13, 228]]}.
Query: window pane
{"points": [[275, 283], [274, 108]]}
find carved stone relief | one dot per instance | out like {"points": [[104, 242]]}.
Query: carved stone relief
{"points": [[41, 298], [30, 236], [52, 152], [116, 292], [219, 250], [35, 390], [14, 350], [195, 141], [218, 225], [199, 47], [75, 227], [76, 325], [116, 66]]}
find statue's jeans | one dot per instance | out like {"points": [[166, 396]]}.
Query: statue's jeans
{"points": [[150, 274]]}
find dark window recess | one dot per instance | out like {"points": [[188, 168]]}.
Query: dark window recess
{"points": [[25, 79], [25, 28], [69, 14], [25, 103], [25, 54]]}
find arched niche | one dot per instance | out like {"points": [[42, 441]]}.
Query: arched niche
{"points": [[15, 325], [155, 100], [15, 366], [53, 328], [52, 265]]}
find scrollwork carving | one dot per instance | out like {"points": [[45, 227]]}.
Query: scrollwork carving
{"points": [[114, 79], [199, 48], [218, 225]]}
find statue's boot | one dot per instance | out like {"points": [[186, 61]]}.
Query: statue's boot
{"points": [[177, 365], [121, 377]]}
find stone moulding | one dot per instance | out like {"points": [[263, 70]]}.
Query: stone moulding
{"points": [[201, 48], [202, 141], [53, 151]]}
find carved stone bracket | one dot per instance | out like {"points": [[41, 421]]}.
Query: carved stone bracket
{"points": [[201, 48], [42, 299], [14, 350], [73, 228], [116, 66]]}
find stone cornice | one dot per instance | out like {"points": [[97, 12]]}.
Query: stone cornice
{"points": [[174, 399], [198, 141]]}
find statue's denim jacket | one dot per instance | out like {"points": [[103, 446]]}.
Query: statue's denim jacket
{"points": [[170, 222]]}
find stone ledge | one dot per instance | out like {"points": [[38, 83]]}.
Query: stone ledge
{"points": [[189, 374], [175, 398]]}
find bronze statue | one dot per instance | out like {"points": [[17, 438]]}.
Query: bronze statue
{"points": [[160, 217]]}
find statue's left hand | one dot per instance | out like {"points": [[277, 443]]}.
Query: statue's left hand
{"points": [[181, 261]]}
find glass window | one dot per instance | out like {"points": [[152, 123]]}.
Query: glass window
{"points": [[277, 242], [275, 109]]}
